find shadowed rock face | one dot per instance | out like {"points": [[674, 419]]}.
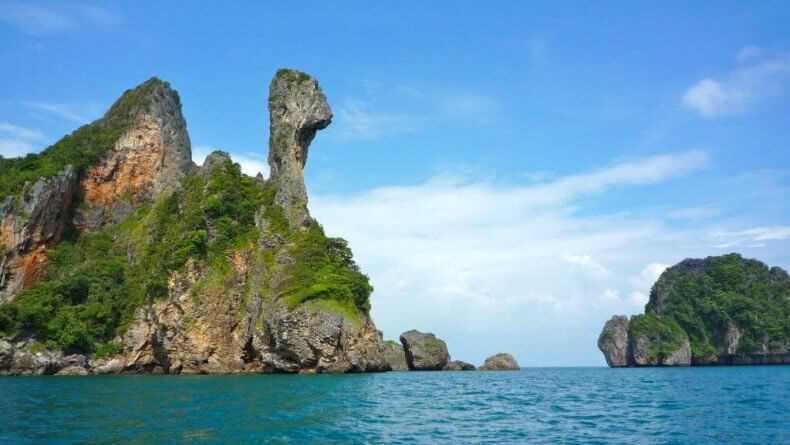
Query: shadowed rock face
{"points": [[29, 226], [297, 110], [500, 362], [458, 365], [613, 342], [641, 346], [424, 352], [395, 356]]}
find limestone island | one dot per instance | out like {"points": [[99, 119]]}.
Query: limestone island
{"points": [[119, 255], [724, 310]]}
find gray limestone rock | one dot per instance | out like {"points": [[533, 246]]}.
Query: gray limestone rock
{"points": [[458, 365], [395, 356], [500, 362], [424, 352], [297, 110], [613, 342]]}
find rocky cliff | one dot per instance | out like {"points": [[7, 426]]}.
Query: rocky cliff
{"points": [[715, 311], [170, 268]]}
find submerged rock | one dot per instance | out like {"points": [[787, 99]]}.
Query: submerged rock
{"points": [[500, 362], [424, 352], [613, 342]]}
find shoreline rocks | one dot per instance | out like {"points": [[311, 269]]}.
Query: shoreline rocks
{"points": [[395, 356], [424, 352], [500, 362], [459, 365]]}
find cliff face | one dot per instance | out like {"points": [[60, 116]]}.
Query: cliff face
{"points": [[150, 157], [713, 311], [175, 269], [31, 222]]}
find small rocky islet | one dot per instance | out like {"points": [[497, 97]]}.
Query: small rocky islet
{"points": [[119, 255]]}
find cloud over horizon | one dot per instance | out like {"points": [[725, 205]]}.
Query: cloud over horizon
{"points": [[475, 260]]}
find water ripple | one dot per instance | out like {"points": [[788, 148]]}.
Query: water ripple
{"points": [[738, 405]]}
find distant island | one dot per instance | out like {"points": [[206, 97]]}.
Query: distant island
{"points": [[724, 310]]}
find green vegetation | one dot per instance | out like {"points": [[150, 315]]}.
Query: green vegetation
{"points": [[708, 296], [291, 76], [323, 269], [96, 281], [664, 333], [81, 149]]}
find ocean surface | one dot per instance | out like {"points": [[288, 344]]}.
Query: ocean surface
{"points": [[727, 405]]}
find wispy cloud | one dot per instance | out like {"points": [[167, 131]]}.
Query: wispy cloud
{"points": [[408, 109], [758, 75], [17, 141], [467, 253], [251, 163], [38, 20], [752, 237], [356, 121], [63, 111]]}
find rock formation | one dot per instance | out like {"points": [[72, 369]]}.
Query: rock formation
{"points": [[722, 310], [613, 342], [297, 110], [500, 362], [29, 224], [458, 365], [395, 356], [424, 352], [150, 157], [223, 273]]}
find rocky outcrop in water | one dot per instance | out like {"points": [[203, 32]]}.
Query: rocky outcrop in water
{"points": [[424, 352], [724, 310], [395, 356], [29, 224], [613, 342], [297, 110], [458, 365], [500, 362]]}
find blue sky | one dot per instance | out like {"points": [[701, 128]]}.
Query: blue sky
{"points": [[508, 174]]}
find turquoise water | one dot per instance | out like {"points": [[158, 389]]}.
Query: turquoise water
{"points": [[738, 405]]}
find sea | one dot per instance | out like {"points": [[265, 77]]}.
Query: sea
{"points": [[717, 405]]}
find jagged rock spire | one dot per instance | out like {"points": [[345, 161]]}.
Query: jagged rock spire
{"points": [[297, 109]]}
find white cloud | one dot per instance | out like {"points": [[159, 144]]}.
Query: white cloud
{"points": [[753, 237], [510, 268], [63, 111], [251, 163], [586, 262], [37, 20], [355, 121], [757, 77], [17, 141]]}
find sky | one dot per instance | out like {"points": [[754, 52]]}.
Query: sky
{"points": [[509, 174]]}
